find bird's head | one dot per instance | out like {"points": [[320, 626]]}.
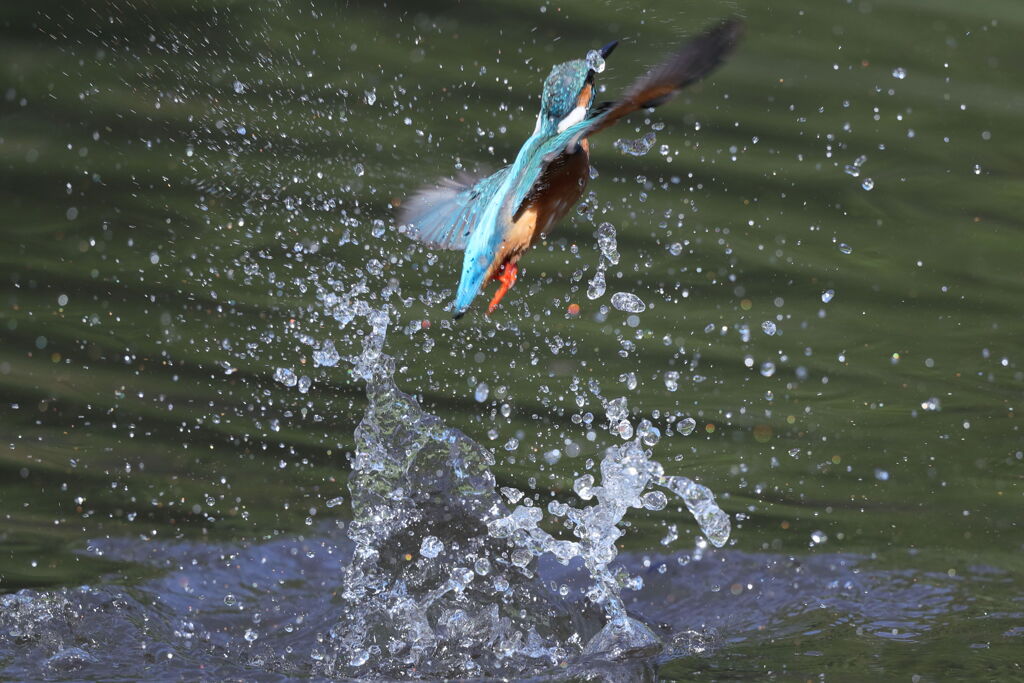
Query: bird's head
{"points": [[569, 90]]}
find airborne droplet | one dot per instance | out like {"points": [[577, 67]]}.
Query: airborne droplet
{"points": [[628, 302]]}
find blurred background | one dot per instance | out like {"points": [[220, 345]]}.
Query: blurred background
{"points": [[824, 233]]}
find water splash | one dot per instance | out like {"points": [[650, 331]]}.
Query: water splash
{"points": [[430, 588], [444, 577], [608, 246]]}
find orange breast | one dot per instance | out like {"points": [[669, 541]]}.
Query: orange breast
{"points": [[561, 187]]}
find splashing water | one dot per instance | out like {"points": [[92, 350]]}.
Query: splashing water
{"points": [[444, 578], [428, 588], [608, 246]]}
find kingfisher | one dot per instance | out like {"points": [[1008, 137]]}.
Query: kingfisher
{"points": [[495, 219]]}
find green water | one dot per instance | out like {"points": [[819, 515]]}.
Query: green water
{"points": [[152, 284]]}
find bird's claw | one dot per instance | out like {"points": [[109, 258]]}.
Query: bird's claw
{"points": [[507, 277]]}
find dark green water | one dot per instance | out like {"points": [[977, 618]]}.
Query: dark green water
{"points": [[173, 176]]}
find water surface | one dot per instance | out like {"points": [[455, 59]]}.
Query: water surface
{"points": [[181, 184]]}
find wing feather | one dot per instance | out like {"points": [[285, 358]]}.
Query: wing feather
{"points": [[692, 62], [695, 60], [443, 216]]}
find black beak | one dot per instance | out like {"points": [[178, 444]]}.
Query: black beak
{"points": [[607, 49]]}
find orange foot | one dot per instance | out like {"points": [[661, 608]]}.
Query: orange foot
{"points": [[507, 277]]}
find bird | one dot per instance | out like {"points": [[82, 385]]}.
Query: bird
{"points": [[495, 219]]}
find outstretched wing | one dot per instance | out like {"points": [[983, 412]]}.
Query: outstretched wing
{"points": [[443, 216], [693, 62]]}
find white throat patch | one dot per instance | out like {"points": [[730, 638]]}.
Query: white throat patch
{"points": [[574, 117]]}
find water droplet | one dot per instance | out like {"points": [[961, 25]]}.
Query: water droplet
{"points": [[845, 248], [648, 433], [616, 409], [606, 242], [286, 376], [370, 96], [597, 286], [686, 426], [932, 404], [628, 302], [595, 62], [672, 380], [899, 73], [868, 184], [481, 392], [828, 295], [326, 356], [584, 486], [638, 147], [818, 537], [767, 369], [700, 501], [335, 502], [853, 168], [654, 500], [768, 327], [431, 546], [359, 170]]}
